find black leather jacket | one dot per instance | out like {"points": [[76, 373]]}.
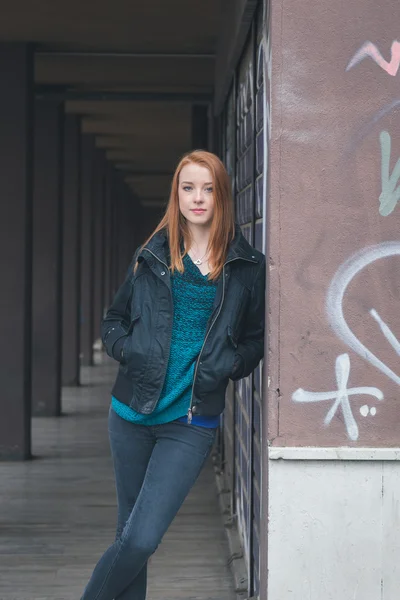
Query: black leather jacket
{"points": [[136, 330]]}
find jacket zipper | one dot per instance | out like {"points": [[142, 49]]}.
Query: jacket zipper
{"points": [[190, 411], [172, 319]]}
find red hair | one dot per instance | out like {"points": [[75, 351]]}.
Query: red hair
{"points": [[223, 224]]}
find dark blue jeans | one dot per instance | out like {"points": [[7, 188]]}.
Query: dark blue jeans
{"points": [[155, 468]]}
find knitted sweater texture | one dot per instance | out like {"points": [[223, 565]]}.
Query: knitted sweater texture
{"points": [[193, 297]]}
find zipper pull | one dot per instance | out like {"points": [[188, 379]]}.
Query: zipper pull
{"points": [[189, 418]]}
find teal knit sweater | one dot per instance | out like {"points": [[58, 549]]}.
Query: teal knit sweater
{"points": [[193, 297]]}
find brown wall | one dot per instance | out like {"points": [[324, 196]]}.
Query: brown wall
{"points": [[324, 210]]}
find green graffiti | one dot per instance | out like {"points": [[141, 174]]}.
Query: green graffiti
{"points": [[390, 194]]}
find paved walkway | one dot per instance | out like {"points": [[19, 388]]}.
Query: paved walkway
{"points": [[57, 512]]}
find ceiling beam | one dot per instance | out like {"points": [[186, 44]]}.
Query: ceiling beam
{"points": [[44, 91], [125, 54], [125, 73]]}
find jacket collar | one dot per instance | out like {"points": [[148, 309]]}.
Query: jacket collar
{"points": [[239, 247]]}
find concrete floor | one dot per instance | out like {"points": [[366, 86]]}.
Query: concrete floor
{"points": [[57, 512]]}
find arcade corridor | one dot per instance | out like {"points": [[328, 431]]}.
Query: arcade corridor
{"points": [[58, 511], [99, 101]]}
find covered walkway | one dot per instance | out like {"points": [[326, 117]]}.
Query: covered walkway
{"points": [[100, 99], [58, 511]]}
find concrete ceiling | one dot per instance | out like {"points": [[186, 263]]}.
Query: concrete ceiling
{"points": [[131, 69], [156, 26]]}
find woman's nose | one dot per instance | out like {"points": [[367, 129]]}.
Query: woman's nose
{"points": [[199, 195]]}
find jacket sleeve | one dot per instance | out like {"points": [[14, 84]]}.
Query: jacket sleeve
{"points": [[250, 348], [116, 323]]}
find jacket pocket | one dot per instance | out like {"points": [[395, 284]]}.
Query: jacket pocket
{"points": [[238, 360], [232, 337], [231, 349], [128, 341], [236, 311]]}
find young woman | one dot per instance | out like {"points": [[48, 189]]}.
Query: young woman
{"points": [[189, 317]]}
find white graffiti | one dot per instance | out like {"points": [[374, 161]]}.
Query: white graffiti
{"points": [[245, 100], [340, 396], [334, 304], [334, 308], [390, 194], [366, 410], [389, 335]]}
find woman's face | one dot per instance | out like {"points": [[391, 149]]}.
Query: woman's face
{"points": [[196, 195]]}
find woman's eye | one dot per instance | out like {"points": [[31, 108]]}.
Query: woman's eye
{"points": [[187, 188], [209, 190]]}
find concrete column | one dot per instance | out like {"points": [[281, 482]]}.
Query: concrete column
{"points": [[71, 252], [199, 127], [125, 232], [16, 126], [47, 258], [120, 232], [98, 197], [108, 235], [87, 248], [104, 243], [114, 233]]}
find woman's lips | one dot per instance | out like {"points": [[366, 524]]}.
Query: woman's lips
{"points": [[198, 211]]}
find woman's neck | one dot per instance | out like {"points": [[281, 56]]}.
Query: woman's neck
{"points": [[200, 238]]}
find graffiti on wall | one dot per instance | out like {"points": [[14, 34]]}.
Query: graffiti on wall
{"points": [[369, 49], [334, 304], [341, 397], [389, 197], [335, 313], [245, 101], [390, 194]]}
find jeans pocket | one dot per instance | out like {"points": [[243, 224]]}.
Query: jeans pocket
{"points": [[208, 437], [211, 442]]}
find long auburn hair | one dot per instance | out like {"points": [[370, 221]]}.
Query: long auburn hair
{"points": [[223, 224]]}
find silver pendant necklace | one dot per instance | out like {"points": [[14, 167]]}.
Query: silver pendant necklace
{"points": [[199, 261]]}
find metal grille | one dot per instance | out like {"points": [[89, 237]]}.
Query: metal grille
{"points": [[243, 398], [242, 148], [228, 420], [258, 243]]}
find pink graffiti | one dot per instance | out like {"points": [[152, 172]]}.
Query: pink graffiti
{"points": [[369, 49]]}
